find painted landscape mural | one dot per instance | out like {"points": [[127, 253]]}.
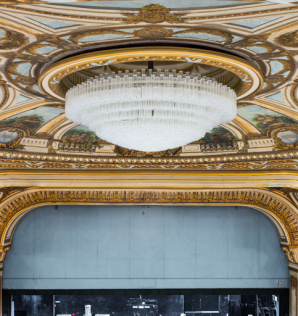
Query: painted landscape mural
{"points": [[80, 138], [128, 152], [263, 118], [219, 135], [32, 119]]}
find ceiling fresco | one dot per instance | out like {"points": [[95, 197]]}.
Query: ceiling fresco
{"points": [[33, 34]]}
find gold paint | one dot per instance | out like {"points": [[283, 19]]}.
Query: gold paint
{"points": [[274, 205], [289, 39], [50, 125], [5, 91], [19, 27], [153, 32], [33, 9], [154, 13], [278, 143], [50, 79], [225, 35], [247, 126], [286, 160], [14, 144], [241, 14], [285, 111], [293, 92], [12, 39], [84, 17]]}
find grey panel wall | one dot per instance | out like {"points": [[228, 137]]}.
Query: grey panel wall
{"points": [[97, 247]]}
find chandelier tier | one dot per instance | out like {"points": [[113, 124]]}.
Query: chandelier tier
{"points": [[150, 111]]}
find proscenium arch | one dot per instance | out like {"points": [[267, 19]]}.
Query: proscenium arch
{"points": [[277, 209]]}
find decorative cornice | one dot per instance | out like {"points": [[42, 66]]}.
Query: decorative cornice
{"points": [[282, 160]]}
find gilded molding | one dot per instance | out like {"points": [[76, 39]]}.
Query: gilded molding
{"points": [[15, 143], [283, 160], [14, 207], [50, 78], [278, 142], [197, 17], [291, 254]]}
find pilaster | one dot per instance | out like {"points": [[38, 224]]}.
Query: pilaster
{"points": [[293, 290]]}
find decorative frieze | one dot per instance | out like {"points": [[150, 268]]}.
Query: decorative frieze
{"points": [[271, 203]]}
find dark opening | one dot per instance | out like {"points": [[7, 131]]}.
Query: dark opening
{"points": [[208, 302]]}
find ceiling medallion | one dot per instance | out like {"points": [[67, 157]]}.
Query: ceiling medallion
{"points": [[156, 109]]}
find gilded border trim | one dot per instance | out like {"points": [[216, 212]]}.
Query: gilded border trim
{"points": [[50, 78], [279, 210], [281, 160]]}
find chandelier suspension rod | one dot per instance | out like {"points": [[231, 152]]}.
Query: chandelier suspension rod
{"points": [[150, 65]]}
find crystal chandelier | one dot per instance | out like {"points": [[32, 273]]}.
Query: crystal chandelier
{"points": [[150, 111]]}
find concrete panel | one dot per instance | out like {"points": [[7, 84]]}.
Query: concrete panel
{"points": [[23, 245], [212, 243], [270, 261], [113, 242], [92, 247], [146, 242], [180, 242], [71, 250], [87, 229], [49, 243], [243, 243]]}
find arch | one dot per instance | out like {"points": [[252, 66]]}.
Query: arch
{"points": [[277, 208], [156, 246]]}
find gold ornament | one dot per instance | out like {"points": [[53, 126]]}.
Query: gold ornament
{"points": [[289, 39], [153, 13], [153, 32]]}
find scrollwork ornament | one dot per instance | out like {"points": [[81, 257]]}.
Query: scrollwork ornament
{"points": [[291, 254], [15, 203], [153, 32], [12, 40], [289, 39], [154, 13], [3, 251]]}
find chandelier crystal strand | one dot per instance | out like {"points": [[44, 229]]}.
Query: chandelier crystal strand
{"points": [[150, 112]]}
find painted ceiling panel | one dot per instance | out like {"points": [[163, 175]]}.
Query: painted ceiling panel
{"points": [[172, 4], [54, 24], [255, 23], [26, 52]]}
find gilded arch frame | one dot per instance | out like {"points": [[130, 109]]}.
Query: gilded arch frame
{"points": [[281, 212]]}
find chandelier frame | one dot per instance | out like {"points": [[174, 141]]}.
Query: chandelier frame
{"points": [[50, 79]]}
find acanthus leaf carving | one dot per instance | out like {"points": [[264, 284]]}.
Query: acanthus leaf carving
{"points": [[263, 199]]}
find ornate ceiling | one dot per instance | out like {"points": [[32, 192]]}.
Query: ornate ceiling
{"points": [[33, 34]]}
